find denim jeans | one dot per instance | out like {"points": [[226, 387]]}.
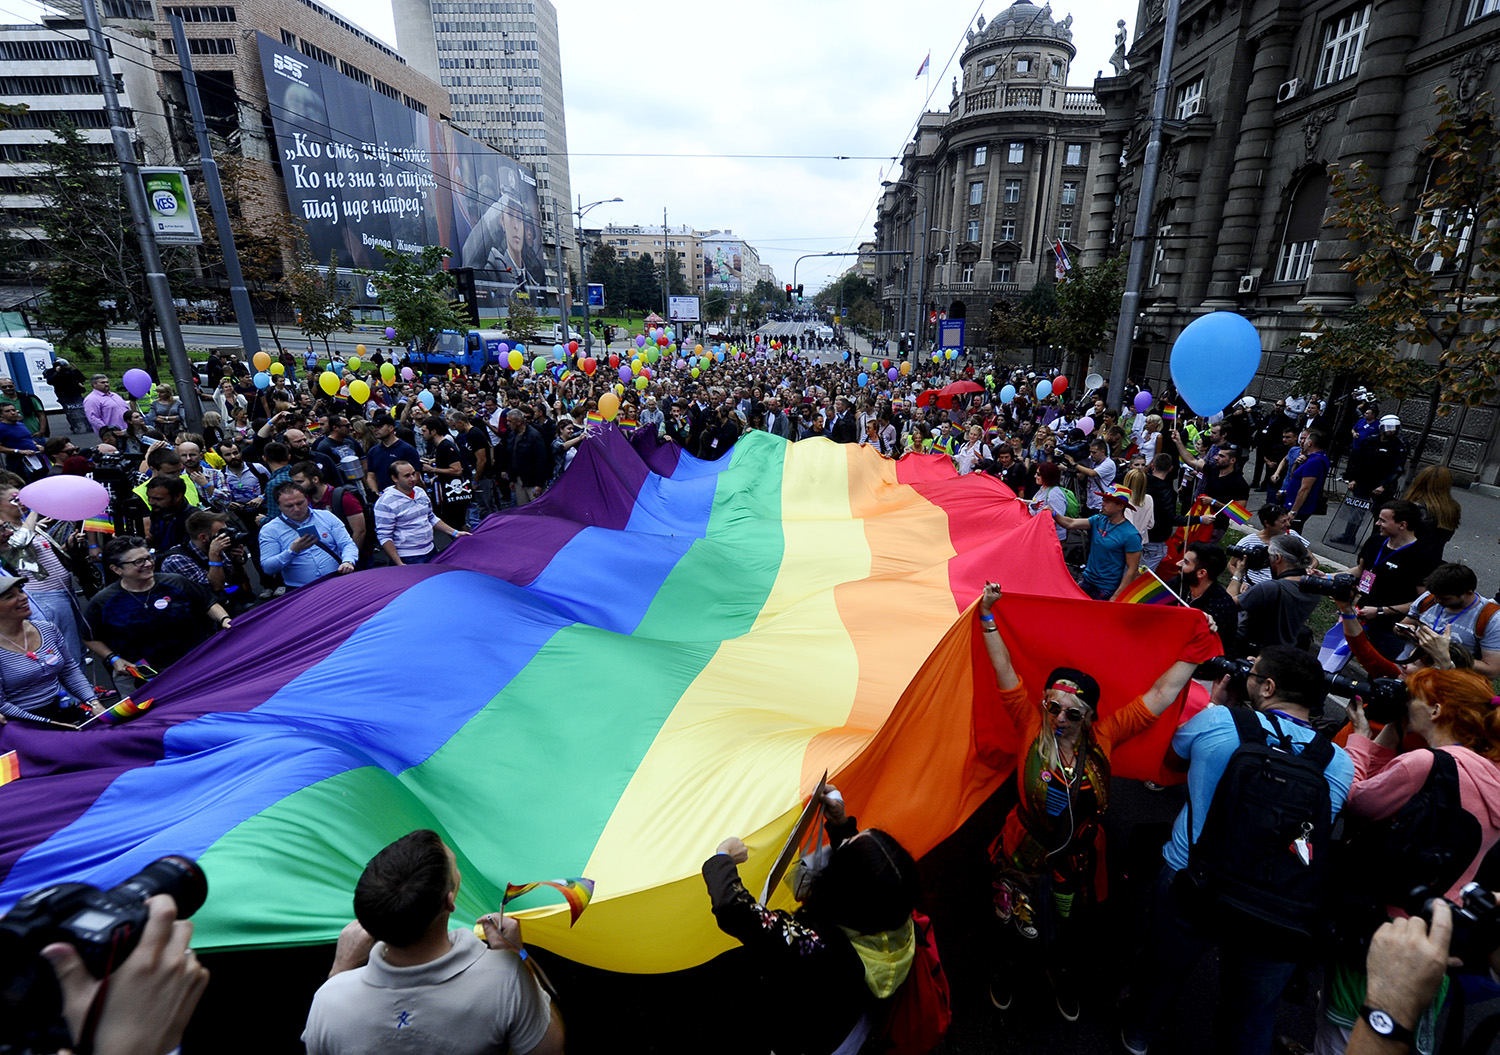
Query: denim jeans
{"points": [[1152, 554], [1251, 976]]}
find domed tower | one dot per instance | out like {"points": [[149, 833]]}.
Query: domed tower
{"points": [[1023, 48]]}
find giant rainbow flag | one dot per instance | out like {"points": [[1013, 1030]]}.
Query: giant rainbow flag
{"points": [[660, 653]]}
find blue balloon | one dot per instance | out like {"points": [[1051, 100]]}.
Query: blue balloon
{"points": [[846, 357], [1214, 359], [520, 348], [863, 379], [425, 398], [1043, 389], [262, 380], [557, 351], [1007, 393]]}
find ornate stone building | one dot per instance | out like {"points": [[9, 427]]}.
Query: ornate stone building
{"points": [[988, 187], [1265, 96]]}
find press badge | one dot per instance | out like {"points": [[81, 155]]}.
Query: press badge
{"points": [[1367, 582]]}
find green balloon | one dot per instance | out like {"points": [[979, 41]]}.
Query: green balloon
{"points": [[695, 371], [538, 364]]}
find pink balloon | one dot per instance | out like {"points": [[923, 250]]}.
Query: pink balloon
{"points": [[1086, 425], [65, 497], [407, 374]]}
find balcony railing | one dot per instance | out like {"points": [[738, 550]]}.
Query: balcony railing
{"points": [[1082, 102], [988, 99]]}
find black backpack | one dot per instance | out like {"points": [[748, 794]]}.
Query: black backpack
{"points": [[336, 507], [1265, 847]]}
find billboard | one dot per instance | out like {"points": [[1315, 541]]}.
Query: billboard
{"points": [[723, 265], [364, 171], [169, 207], [682, 309]]}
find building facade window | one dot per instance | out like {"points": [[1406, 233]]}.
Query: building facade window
{"points": [[1343, 40], [1007, 230], [1004, 271], [1017, 153], [1012, 190], [1073, 154], [1479, 8], [1023, 65], [1160, 255], [981, 155], [967, 274], [1065, 231], [1190, 99], [976, 192], [972, 232], [1303, 222], [1447, 230], [1070, 192], [989, 70], [1057, 69]]}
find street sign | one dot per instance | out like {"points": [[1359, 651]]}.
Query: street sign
{"points": [[951, 334], [596, 294], [169, 206]]}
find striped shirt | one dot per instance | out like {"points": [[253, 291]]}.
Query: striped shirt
{"points": [[405, 519], [30, 681]]}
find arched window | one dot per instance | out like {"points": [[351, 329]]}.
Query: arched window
{"points": [[1304, 220]]}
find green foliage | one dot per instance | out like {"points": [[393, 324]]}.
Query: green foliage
{"points": [[715, 305], [522, 321], [416, 293], [324, 305], [1036, 314], [1414, 300], [73, 309], [1088, 304]]}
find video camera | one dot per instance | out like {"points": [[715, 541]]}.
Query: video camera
{"points": [[1340, 587], [1384, 699], [1257, 558], [103, 925], [1476, 925], [112, 468], [1074, 445]]}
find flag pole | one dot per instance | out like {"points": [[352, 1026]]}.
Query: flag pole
{"points": [[1169, 589]]}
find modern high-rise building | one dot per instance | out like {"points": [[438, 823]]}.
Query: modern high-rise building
{"points": [[500, 62]]}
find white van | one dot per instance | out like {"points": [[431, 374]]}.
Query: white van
{"points": [[555, 335], [23, 359]]}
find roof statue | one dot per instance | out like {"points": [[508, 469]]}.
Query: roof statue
{"points": [[1022, 19]]}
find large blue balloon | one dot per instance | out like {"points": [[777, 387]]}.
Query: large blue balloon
{"points": [[1007, 393], [863, 379], [1214, 359]]}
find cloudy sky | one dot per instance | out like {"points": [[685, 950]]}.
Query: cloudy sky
{"points": [[820, 79], [815, 79]]}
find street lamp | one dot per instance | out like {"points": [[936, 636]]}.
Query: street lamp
{"points": [[911, 318], [583, 253]]}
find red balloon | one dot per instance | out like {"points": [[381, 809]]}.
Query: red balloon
{"points": [[572, 347], [885, 364], [663, 341], [614, 361], [646, 372], [1059, 385], [588, 365]]}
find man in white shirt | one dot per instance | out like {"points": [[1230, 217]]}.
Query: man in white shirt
{"points": [[1101, 473], [404, 520]]}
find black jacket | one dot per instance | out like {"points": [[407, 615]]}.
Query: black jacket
{"points": [[529, 458]]}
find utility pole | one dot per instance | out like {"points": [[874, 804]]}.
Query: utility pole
{"points": [[1140, 237], [244, 314], [135, 195], [666, 275]]}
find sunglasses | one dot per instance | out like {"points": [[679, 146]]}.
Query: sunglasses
{"points": [[1073, 714]]}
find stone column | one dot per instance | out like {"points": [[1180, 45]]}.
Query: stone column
{"points": [[1252, 158], [1379, 94], [1102, 197]]}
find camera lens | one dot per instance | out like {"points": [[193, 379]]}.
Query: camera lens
{"points": [[176, 875]]}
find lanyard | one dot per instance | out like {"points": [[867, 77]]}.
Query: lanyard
{"points": [[1439, 626], [1381, 555]]}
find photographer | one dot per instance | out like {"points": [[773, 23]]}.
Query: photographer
{"points": [[1275, 519], [1451, 711], [1273, 612], [212, 556], [1260, 934], [1101, 473], [1392, 566], [1452, 605]]}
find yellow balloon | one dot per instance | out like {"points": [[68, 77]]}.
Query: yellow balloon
{"points": [[905, 368], [387, 372], [360, 349], [641, 383], [328, 381], [354, 361], [635, 367], [262, 361], [359, 391], [609, 406], [277, 369], [619, 389], [515, 359]]}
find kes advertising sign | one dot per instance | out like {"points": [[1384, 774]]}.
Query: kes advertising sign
{"points": [[169, 207]]}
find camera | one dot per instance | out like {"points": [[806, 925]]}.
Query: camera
{"points": [[1476, 925], [1384, 698], [1074, 445], [113, 468], [103, 925], [1340, 587], [1257, 558], [1234, 669]]}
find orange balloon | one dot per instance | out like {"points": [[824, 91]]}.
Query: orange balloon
{"points": [[262, 361], [609, 406]]}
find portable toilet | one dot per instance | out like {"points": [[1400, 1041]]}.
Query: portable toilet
{"points": [[23, 359]]}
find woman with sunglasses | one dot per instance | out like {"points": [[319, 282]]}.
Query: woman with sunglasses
{"points": [[35, 667], [1050, 853], [147, 620]]}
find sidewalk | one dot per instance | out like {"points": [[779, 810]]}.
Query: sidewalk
{"points": [[1473, 544]]}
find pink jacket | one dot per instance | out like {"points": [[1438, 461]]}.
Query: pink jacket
{"points": [[1385, 780]]}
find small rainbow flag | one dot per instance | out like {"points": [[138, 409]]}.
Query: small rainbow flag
{"points": [[1169, 415], [124, 711], [627, 423], [577, 891], [104, 527], [992, 433], [1237, 512], [594, 418], [1147, 589], [944, 444], [10, 767]]}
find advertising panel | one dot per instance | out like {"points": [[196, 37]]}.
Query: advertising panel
{"points": [[682, 309], [366, 172], [723, 265], [169, 207]]}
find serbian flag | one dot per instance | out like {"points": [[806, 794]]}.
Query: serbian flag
{"points": [[923, 68], [1064, 265]]}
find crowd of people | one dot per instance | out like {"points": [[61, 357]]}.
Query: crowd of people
{"points": [[293, 480]]}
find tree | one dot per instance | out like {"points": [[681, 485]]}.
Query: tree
{"points": [[77, 308], [715, 305], [324, 305], [1034, 316], [676, 283], [522, 319], [1088, 305], [415, 292], [1434, 283]]}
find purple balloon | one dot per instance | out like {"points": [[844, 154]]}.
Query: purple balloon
{"points": [[625, 373], [65, 497], [1086, 425], [1143, 401], [680, 363], [893, 373], [390, 333], [137, 382], [640, 340]]}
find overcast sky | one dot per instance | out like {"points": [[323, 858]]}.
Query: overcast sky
{"points": [[813, 78]]}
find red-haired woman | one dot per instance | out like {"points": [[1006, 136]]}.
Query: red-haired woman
{"points": [[1457, 713]]}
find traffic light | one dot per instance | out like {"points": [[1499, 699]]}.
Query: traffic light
{"points": [[799, 294], [788, 292]]}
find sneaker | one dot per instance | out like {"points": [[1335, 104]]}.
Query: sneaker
{"points": [[1067, 1005], [1000, 994], [1133, 1044]]}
